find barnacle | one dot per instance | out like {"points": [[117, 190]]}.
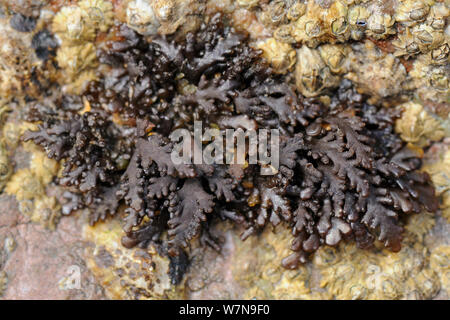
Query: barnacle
{"points": [[323, 24], [417, 126], [430, 76], [163, 16], [380, 26], [280, 55], [70, 25], [335, 57], [357, 19], [80, 23], [344, 173], [142, 18], [410, 12], [313, 76], [78, 27], [77, 59]]}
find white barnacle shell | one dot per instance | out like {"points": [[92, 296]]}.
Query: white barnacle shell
{"points": [[142, 18]]}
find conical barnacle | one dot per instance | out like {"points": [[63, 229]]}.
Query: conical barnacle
{"points": [[13, 73], [25, 185], [438, 15], [431, 80], [79, 23], [296, 10], [335, 57], [410, 12], [124, 273], [380, 26], [275, 13], [162, 16], [417, 126], [281, 56], [440, 55], [98, 14], [77, 59], [142, 18], [312, 75], [284, 33], [71, 26], [426, 37], [353, 274], [406, 45]]}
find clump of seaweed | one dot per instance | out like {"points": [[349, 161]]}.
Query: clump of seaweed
{"points": [[344, 173]]}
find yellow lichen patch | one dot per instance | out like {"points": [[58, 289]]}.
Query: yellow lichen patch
{"points": [[256, 266], [440, 175], [356, 274], [12, 132], [29, 190], [417, 126], [419, 225], [42, 166], [281, 56], [127, 273]]}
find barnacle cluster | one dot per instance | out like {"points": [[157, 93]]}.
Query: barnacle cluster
{"points": [[77, 27], [344, 173], [417, 126]]}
